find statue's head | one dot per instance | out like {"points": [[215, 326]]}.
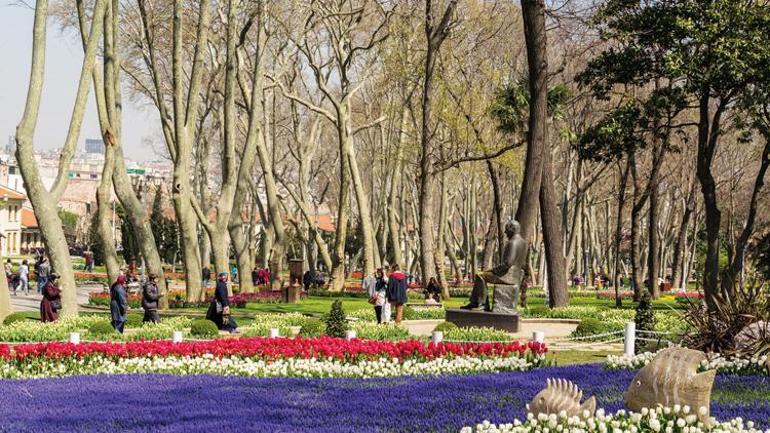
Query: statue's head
{"points": [[512, 228]]}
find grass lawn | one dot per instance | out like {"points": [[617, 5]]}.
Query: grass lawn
{"points": [[317, 305], [320, 305], [570, 357]]}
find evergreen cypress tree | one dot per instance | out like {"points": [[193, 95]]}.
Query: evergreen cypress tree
{"points": [[336, 323]]}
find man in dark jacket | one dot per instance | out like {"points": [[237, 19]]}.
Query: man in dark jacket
{"points": [[219, 309], [150, 297]]}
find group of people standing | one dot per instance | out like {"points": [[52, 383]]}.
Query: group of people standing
{"points": [[387, 293], [260, 276], [218, 312], [119, 301]]}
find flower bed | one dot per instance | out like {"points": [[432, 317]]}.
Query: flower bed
{"points": [[207, 403], [265, 357], [759, 365], [36, 331], [675, 419], [685, 297], [610, 294]]}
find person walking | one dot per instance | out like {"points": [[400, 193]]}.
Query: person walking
{"points": [[205, 277], [266, 277], [381, 306], [51, 302], [43, 270], [24, 276], [396, 292], [219, 309], [370, 287], [255, 276], [88, 256], [150, 296], [8, 270], [433, 291], [118, 303]]}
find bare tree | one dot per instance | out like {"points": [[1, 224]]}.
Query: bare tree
{"points": [[44, 201]]}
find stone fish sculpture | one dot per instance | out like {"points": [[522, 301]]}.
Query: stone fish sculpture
{"points": [[561, 395], [672, 378]]}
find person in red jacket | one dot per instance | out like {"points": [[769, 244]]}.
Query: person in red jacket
{"points": [[396, 291], [51, 302]]}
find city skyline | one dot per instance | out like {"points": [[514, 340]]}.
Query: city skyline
{"points": [[63, 62]]}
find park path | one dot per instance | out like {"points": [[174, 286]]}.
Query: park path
{"points": [[22, 302]]}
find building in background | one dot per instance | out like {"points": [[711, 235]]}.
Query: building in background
{"points": [[31, 239], [11, 204], [94, 146]]}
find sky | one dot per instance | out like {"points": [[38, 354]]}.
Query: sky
{"points": [[64, 58]]}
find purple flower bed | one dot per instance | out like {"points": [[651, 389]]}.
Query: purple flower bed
{"points": [[147, 403]]}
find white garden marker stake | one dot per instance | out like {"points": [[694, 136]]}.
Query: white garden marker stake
{"points": [[177, 336], [274, 333], [630, 339], [350, 334], [295, 330], [538, 337], [75, 337], [437, 337]]}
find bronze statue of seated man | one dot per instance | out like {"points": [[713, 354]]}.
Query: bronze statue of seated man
{"points": [[509, 274]]}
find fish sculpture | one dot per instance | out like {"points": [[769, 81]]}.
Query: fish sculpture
{"points": [[670, 379], [561, 395]]}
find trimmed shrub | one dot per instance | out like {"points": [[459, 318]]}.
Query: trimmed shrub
{"points": [[590, 326], [13, 318], [101, 328], [336, 323], [204, 328], [445, 327]]}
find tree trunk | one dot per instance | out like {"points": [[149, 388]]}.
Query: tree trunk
{"points": [[552, 236], [441, 245], [364, 212], [497, 208], [737, 263], [44, 202], [653, 270], [104, 211], [708, 132], [337, 276], [435, 33], [677, 263], [533, 13], [619, 232], [395, 186]]}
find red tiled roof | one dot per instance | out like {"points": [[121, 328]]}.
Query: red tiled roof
{"points": [[28, 218], [325, 223], [6, 192]]}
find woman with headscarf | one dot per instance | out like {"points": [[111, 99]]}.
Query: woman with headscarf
{"points": [[118, 303], [51, 302], [219, 309]]}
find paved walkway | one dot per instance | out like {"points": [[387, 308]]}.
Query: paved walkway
{"points": [[22, 302]]}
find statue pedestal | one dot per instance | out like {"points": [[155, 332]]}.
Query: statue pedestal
{"points": [[479, 318]]}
